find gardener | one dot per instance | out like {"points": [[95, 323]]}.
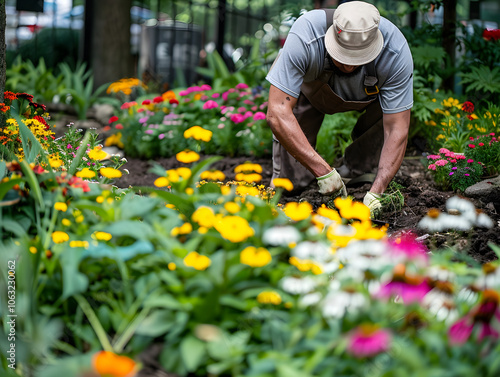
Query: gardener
{"points": [[335, 61]]}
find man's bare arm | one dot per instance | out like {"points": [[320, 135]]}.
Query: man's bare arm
{"points": [[287, 130], [396, 128]]}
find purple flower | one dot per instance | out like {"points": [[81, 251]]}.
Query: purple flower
{"points": [[454, 168], [467, 174], [451, 173], [69, 146]]}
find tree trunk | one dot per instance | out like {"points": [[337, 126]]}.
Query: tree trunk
{"points": [[108, 40], [3, 47], [449, 39]]}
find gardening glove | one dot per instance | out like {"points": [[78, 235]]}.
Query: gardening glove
{"points": [[372, 201], [331, 183]]}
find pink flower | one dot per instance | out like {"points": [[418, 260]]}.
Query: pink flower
{"points": [[466, 174], [149, 132], [221, 126], [368, 340], [441, 162], [433, 157], [241, 85], [471, 138], [216, 95], [453, 160], [444, 150], [407, 287], [114, 118], [210, 105], [481, 144], [242, 109], [470, 161], [432, 167], [183, 93], [248, 114], [237, 118], [254, 108], [161, 136], [460, 331], [407, 247], [69, 146], [259, 115], [206, 87], [248, 102], [225, 95], [451, 173], [472, 146], [119, 126]]}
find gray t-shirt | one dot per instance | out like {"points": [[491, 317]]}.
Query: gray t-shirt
{"points": [[303, 56]]}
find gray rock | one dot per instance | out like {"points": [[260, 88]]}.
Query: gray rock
{"points": [[485, 188], [102, 112]]}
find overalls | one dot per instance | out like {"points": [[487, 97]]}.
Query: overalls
{"points": [[317, 99]]}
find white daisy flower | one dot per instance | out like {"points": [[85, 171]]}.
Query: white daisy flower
{"points": [[281, 236], [298, 286]]}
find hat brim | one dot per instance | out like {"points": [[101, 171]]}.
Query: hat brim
{"points": [[353, 56]]}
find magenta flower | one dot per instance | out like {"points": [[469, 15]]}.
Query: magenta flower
{"points": [[408, 248], [237, 118], [454, 168], [433, 157], [210, 105], [460, 331], [183, 93], [216, 95], [206, 87], [444, 150], [69, 146], [467, 174], [472, 146], [441, 162], [409, 288], [432, 167], [225, 95], [460, 157], [259, 115], [451, 173], [481, 144], [368, 340], [470, 161], [241, 85], [242, 109]]}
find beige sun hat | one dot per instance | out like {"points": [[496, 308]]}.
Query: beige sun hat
{"points": [[354, 37]]}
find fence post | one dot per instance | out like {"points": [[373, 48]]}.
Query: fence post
{"points": [[221, 26]]}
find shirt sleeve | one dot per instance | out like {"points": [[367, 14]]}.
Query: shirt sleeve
{"points": [[396, 95]]}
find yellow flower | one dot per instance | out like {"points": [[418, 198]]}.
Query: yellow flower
{"points": [[187, 156], [85, 173], [234, 228], [102, 236], [33, 250], [189, 191], [283, 183], [115, 139], [97, 153], [59, 237], [161, 182], [213, 175], [55, 162], [198, 133], [61, 206], [254, 177], [204, 216], [269, 297], [197, 261], [171, 266], [185, 228], [247, 190], [298, 211], [75, 244], [350, 209], [329, 213], [365, 231], [232, 207], [110, 172], [65, 222], [248, 168], [255, 257], [183, 172]]}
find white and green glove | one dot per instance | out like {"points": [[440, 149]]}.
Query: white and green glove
{"points": [[331, 183], [372, 201]]}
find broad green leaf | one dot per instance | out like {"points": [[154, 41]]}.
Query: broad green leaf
{"points": [[158, 323], [134, 229], [65, 367], [123, 253], [7, 186], [74, 281], [193, 352]]}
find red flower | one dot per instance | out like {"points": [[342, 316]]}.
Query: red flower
{"points": [[114, 118], [3, 107], [173, 101], [468, 107], [158, 99], [146, 102], [9, 95], [472, 146], [470, 117], [41, 120], [493, 34], [481, 144], [119, 126], [27, 96]]}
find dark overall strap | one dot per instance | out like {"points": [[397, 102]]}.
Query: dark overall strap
{"points": [[371, 79]]}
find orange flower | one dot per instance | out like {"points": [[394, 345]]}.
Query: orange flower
{"points": [[107, 363]]}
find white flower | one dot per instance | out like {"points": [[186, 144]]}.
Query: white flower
{"points": [[315, 251], [440, 273], [337, 303], [310, 299], [464, 206], [281, 236], [484, 221], [298, 286], [490, 277], [364, 255]]}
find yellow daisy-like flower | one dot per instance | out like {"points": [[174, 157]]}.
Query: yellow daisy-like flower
{"points": [[213, 175], [184, 172], [97, 154], [55, 162], [161, 182], [250, 178], [185, 228], [340, 235], [255, 257], [329, 213], [197, 261], [232, 207], [110, 172], [234, 228], [187, 156], [204, 217], [66, 222], [59, 237], [365, 231], [172, 266], [269, 297], [298, 211], [283, 183], [102, 236], [247, 190], [198, 133], [350, 209], [115, 139], [61, 206], [248, 168], [33, 250], [85, 173], [84, 244]]}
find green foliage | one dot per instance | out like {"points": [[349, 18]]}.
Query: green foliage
{"points": [[482, 82], [335, 135], [393, 200], [486, 150]]}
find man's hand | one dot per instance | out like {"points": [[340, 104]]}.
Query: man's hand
{"points": [[331, 183], [372, 201]]}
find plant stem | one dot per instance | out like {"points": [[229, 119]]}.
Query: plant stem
{"points": [[94, 322]]}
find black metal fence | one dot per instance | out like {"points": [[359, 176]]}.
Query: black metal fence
{"points": [[166, 35]]}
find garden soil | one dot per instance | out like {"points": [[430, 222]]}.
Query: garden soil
{"points": [[417, 187]]}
